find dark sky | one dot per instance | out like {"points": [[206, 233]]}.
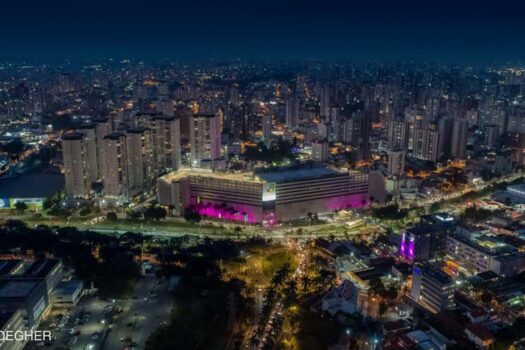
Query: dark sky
{"points": [[453, 31]]}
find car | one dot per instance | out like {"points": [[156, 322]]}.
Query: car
{"points": [[95, 336], [72, 341], [126, 339]]}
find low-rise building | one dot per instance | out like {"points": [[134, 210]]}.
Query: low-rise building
{"points": [[12, 321], [29, 295], [67, 293], [432, 288]]}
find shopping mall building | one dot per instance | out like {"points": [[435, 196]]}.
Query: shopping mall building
{"points": [[263, 197]]}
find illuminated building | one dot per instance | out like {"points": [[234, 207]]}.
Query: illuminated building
{"points": [[428, 239], [292, 112], [397, 134], [479, 253], [205, 137], [459, 138], [320, 151], [267, 129], [140, 159], [165, 138], [115, 168], [396, 162], [432, 288], [79, 168], [263, 197]]}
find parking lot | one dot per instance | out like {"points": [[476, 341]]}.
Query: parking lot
{"points": [[97, 323]]}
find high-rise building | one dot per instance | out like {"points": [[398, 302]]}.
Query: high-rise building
{"points": [[205, 137], [77, 169], [234, 95], [428, 239], [292, 112], [397, 134], [140, 159], [396, 162], [432, 288], [491, 136], [90, 156], [165, 137], [459, 139], [426, 143], [267, 128], [445, 127], [320, 151], [115, 168], [325, 101]]}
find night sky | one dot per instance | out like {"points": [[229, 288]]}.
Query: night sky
{"points": [[452, 31]]}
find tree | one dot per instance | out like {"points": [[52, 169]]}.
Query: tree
{"points": [[111, 216], [376, 286], [133, 215], [48, 203], [486, 297], [154, 212], [383, 307], [476, 215], [20, 207], [191, 216]]}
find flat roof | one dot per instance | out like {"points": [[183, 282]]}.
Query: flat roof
{"points": [[5, 316], [16, 289], [7, 266], [68, 287], [286, 175], [187, 172], [41, 268]]}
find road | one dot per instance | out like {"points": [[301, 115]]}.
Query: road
{"points": [[151, 305], [278, 306]]}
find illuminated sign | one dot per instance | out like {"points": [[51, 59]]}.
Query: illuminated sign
{"points": [[269, 193], [4, 203]]}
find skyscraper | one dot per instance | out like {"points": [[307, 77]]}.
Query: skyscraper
{"points": [[324, 102], [267, 128], [397, 134], [77, 170], [396, 162], [445, 126], [166, 142], [426, 143], [320, 151], [140, 159], [459, 139], [205, 137], [292, 112], [115, 168]]}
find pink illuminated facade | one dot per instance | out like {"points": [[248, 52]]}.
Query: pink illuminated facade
{"points": [[263, 198], [406, 248]]}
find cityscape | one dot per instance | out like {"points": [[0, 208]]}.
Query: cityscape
{"points": [[207, 187]]}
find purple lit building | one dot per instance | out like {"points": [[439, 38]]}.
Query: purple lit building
{"points": [[428, 239], [263, 197]]}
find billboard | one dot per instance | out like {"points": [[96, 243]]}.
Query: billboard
{"points": [[5, 203], [269, 191], [9, 203]]}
